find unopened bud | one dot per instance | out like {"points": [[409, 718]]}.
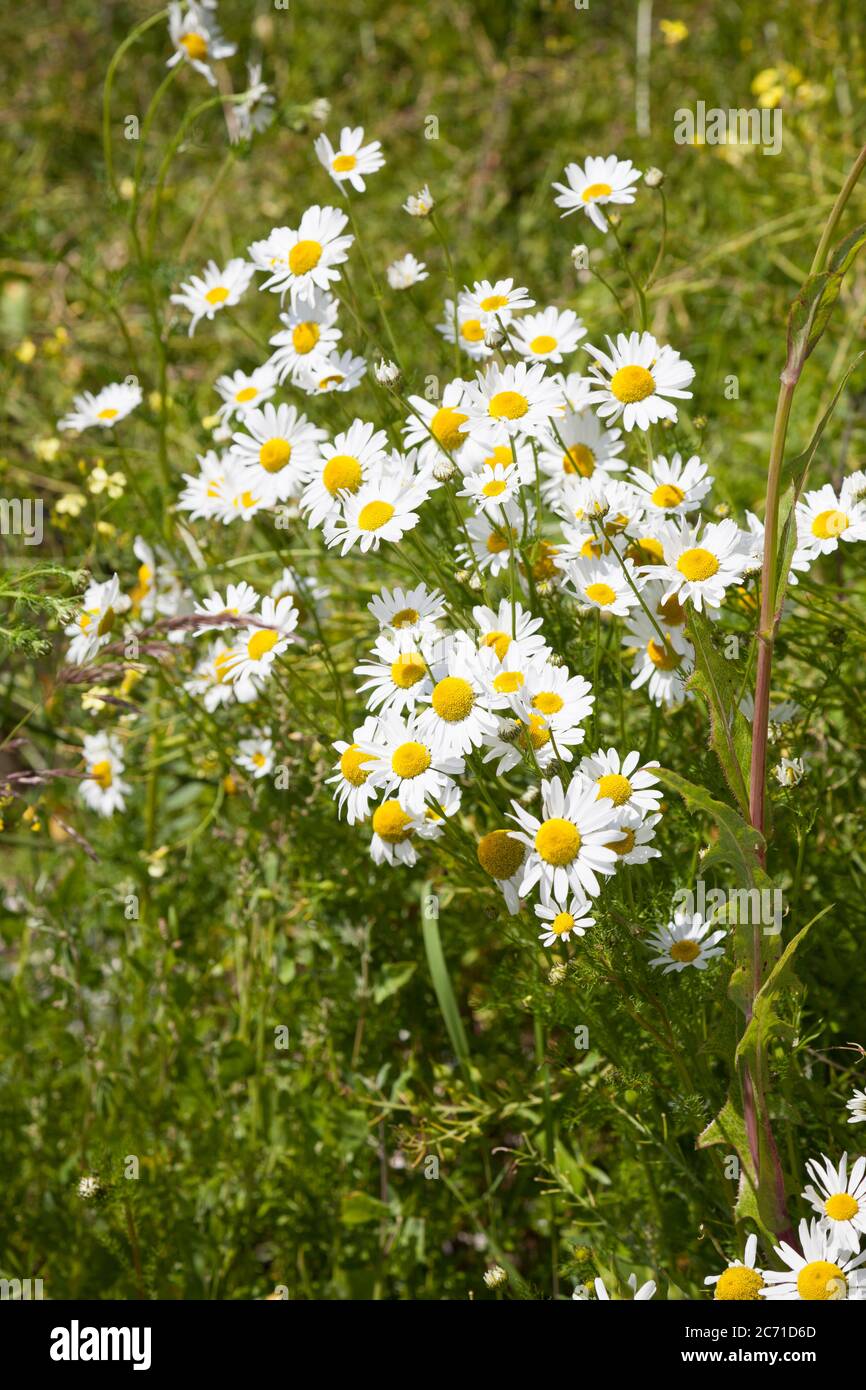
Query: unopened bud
{"points": [[444, 470], [387, 373], [653, 178]]}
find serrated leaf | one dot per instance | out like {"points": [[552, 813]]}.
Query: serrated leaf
{"points": [[739, 842]]}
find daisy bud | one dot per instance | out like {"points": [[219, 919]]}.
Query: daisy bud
{"points": [[387, 373], [529, 796], [510, 731], [544, 587], [653, 178], [443, 470], [420, 204], [614, 219], [89, 1188], [558, 973], [475, 582], [461, 576], [721, 510], [493, 334], [320, 109], [555, 659], [700, 422], [495, 1277]]}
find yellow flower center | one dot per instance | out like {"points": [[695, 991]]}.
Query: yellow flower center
{"points": [[664, 658], [667, 495], [195, 45], [305, 336], [499, 854], [342, 473], [579, 459], [275, 454], [101, 773], [557, 841], [821, 1281], [106, 622], [562, 922], [543, 343], [391, 823], [602, 594], [841, 1206], [109, 413], [408, 670], [445, 428], [374, 516], [494, 302], [333, 380], [672, 612], [499, 641], [547, 702], [535, 734], [220, 665], [739, 1284], [494, 488], [697, 564], [685, 950], [410, 760], [259, 759], [508, 405], [405, 618], [507, 682], [829, 524], [592, 549], [614, 785], [596, 190], [246, 393], [352, 765], [453, 699], [344, 163], [496, 543], [501, 454], [304, 256], [623, 846], [632, 384], [472, 331], [261, 642], [646, 551], [217, 295]]}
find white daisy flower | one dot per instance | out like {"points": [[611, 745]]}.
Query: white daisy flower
{"points": [[100, 605], [409, 766], [547, 336], [581, 445], [564, 700], [563, 922], [527, 738], [215, 289], [201, 496], [672, 488], [353, 789], [574, 390], [684, 941], [498, 628], [491, 489], [408, 612], [252, 659], [308, 337], [437, 429], [158, 591], [602, 584], [197, 40], [458, 718], [240, 493], [393, 829], [742, 1281], [209, 681], [823, 520], [569, 847], [278, 445], [341, 468], [397, 678], [256, 754], [857, 1106], [597, 182], [103, 789], [243, 391], [420, 204], [431, 826], [381, 510], [502, 857], [700, 565], [626, 783], [104, 410], [491, 538], [489, 301], [638, 833], [241, 601], [352, 159], [663, 666], [839, 1198], [342, 371], [256, 112], [820, 1274], [469, 330], [790, 772], [515, 399], [636, 379], [405, 272], [303, 259], [638, 1295]]}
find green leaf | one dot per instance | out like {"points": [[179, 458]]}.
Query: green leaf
{"points": [[730, 733], [439, 975], [357, 1208], [811, 310], [738, 842], [394, 976]]}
